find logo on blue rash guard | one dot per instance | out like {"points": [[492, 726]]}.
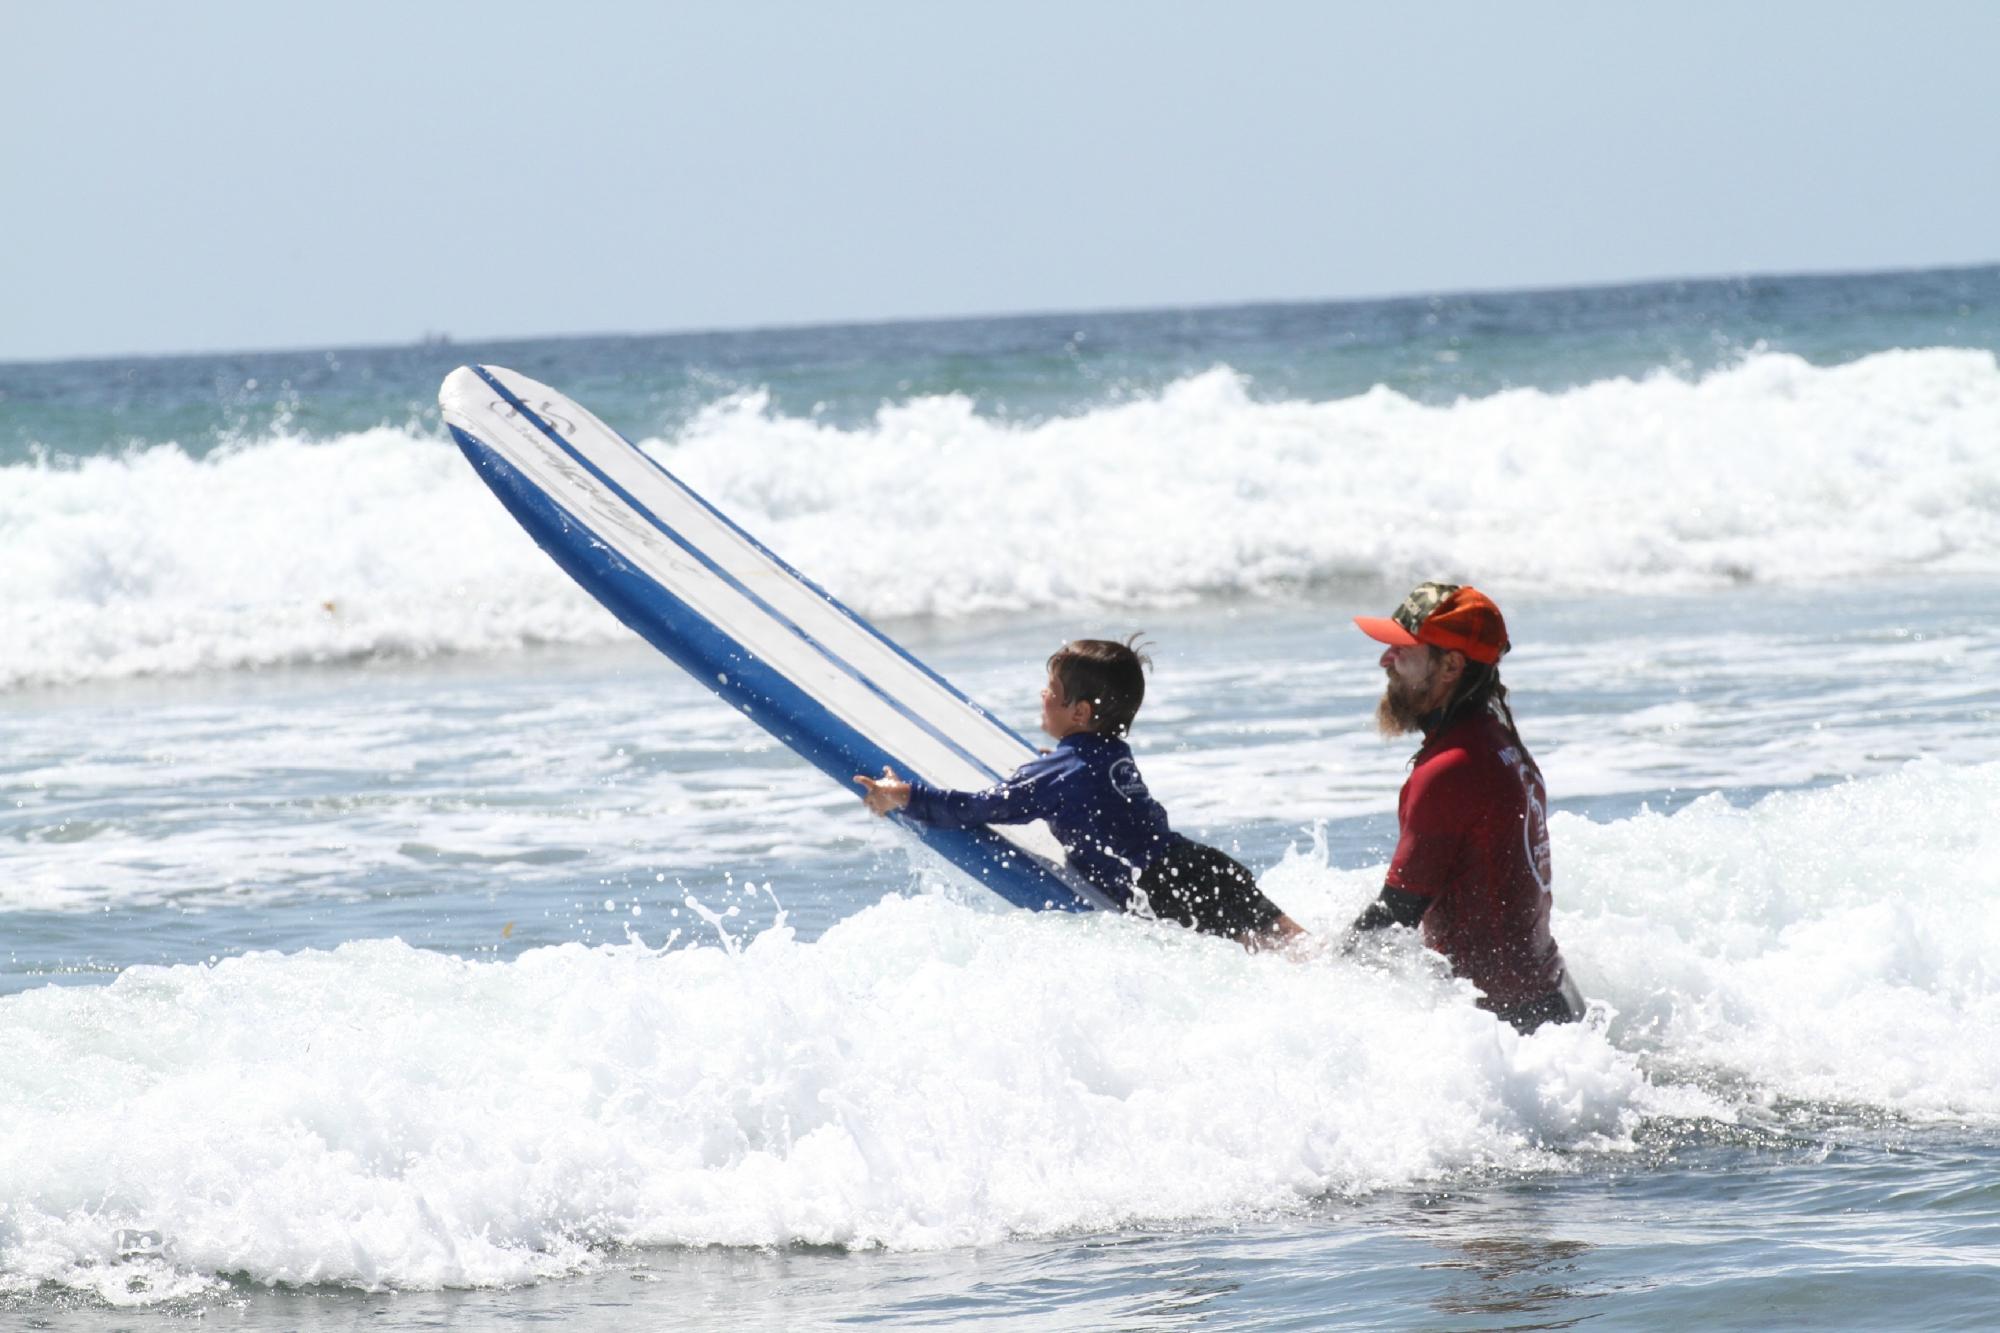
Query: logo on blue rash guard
{"points": [[1126, 780]]}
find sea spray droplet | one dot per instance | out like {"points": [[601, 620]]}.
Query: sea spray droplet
{"points": [[135, 1244]]}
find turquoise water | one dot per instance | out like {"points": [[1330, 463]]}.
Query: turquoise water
{"points": [[389, 939]]}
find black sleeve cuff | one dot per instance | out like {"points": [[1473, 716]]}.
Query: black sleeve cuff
{"points": [[1395, 907]]}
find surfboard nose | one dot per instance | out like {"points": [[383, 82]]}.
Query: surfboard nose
{"points": [[460, 389]]}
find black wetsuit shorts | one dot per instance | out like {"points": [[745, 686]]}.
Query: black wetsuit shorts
{"points": [[1201, 887], [1564, 1004]]}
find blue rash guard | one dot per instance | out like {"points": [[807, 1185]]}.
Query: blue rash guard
{"points": [[1089, 791]]}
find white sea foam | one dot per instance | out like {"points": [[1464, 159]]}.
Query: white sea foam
{"points": [[385, 543], [1831, 944], [935, 1072], [924, 1075], [1837, 943], [269, 553]]}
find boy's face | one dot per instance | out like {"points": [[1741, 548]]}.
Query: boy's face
{"points": [[1060, 717]]}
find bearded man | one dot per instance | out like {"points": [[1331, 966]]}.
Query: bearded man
{"points": [[1472, 852]]}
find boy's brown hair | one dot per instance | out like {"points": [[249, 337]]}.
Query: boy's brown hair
{"points": [[1110, 677]]}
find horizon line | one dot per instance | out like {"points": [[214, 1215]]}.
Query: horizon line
{"points": [[443, 338]]}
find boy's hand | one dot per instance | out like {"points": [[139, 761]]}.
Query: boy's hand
{"points": [[884, 794]]}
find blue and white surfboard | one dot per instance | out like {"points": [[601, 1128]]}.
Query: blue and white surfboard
{"points": [[743, 622]]}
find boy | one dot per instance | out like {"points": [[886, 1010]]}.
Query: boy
{"points": [[1091, 794]]}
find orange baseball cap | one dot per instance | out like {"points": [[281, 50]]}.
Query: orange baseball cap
{"points": [[1443, 615]]}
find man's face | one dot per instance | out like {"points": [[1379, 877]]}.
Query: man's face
{"points": [[1416, 686]]}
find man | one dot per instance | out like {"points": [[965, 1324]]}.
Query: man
{"points": [[1472, 853]]}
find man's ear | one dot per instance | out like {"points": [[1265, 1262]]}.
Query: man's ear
{"points": [[1451, 666]]}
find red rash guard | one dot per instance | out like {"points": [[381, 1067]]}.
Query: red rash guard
{"points": [[1475, 841]]}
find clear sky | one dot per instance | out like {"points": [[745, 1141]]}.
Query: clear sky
{"points": [[209, 175]]}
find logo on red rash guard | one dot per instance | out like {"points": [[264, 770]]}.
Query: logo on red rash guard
{"points": [[1534, 819]]}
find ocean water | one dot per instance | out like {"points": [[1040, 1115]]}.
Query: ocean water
{"points": [[388, 939]]}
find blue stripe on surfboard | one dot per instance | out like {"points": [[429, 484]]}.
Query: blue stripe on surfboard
{"points": [[762, 694], [631, 502]]}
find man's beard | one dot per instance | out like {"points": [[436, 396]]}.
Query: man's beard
{"points": [[1401, 710]]}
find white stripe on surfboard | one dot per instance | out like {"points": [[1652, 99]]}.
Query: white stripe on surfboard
{"points": [[663, 495], [781, 647], [733, 609]]}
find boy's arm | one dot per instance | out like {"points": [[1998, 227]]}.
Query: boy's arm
{"points": [[1023, 797]]}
